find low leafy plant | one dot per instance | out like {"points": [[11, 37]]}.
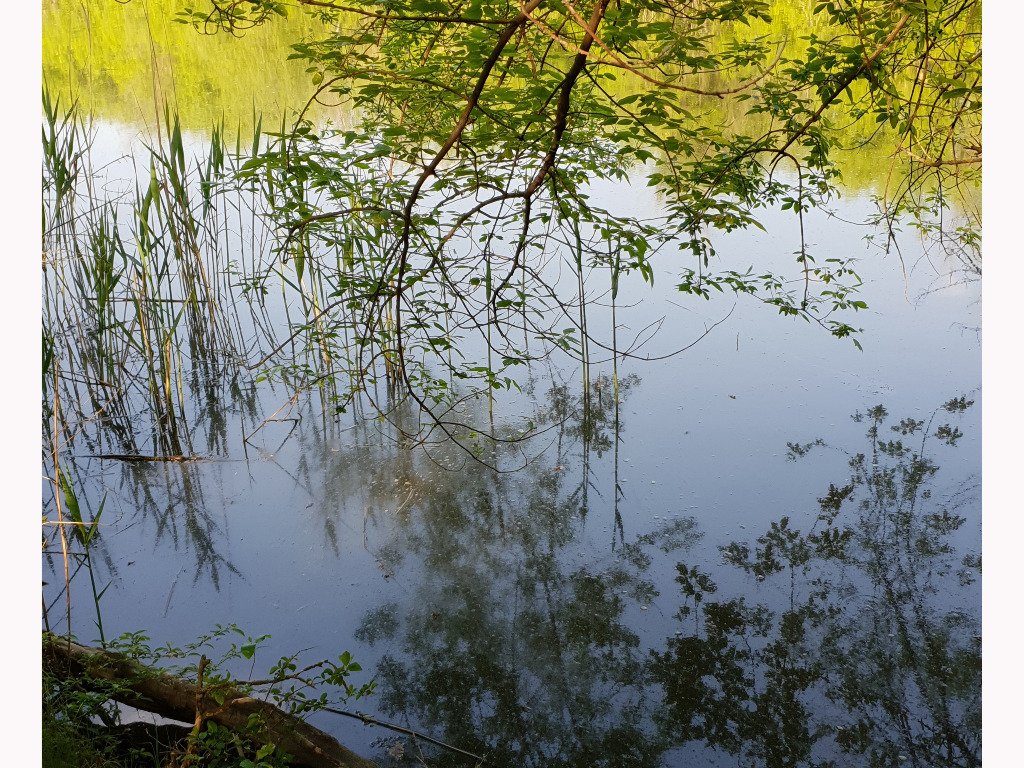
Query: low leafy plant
{"points": [[79, 716], [219, 747], [82, 721]]}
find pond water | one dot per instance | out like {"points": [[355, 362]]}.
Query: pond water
{"points": [[736, 599], [768, 554]]}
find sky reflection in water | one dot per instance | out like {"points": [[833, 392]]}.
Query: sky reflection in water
{"points": [[749, 595]]}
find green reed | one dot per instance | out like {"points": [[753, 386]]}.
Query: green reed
{"points": [[159, 283], [134, 280], [156, 283]]}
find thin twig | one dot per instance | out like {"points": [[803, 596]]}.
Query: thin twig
{"points": [[136, 457], [373, 721]]}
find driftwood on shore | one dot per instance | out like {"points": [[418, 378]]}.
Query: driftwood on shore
{"points": [[172, 697]]}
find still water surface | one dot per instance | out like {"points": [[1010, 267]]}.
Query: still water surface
{"points": [[745, 565], [683, 587]]}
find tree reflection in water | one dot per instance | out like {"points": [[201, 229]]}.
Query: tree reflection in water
{"points": [[856, 642], [872, 655], [511, 645]]}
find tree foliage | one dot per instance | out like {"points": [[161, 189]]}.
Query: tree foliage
{"points": [[483, 123]]}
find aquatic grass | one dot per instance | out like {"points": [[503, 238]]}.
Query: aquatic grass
{"points": [[158, 292], [155, 290], [71, 524], [63, 154], [85, 533], [81, 251], [138, 299]]}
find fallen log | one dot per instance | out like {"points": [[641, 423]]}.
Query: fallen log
{"points": [[170, 696]]}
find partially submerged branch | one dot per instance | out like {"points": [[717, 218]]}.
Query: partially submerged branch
{"points": [[173, 697]]}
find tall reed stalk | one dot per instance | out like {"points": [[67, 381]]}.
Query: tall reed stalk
{"points": [[142, 298]]}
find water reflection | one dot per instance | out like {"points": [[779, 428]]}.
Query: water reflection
{"points": [[850, 637], [862, 646], [509, 644], [854, 642]]}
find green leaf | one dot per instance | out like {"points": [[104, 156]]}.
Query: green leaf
{"points": [[265, 751]]}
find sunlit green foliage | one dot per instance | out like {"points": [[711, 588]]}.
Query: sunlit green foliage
{"points": [[426, 234], [124, 61]]}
